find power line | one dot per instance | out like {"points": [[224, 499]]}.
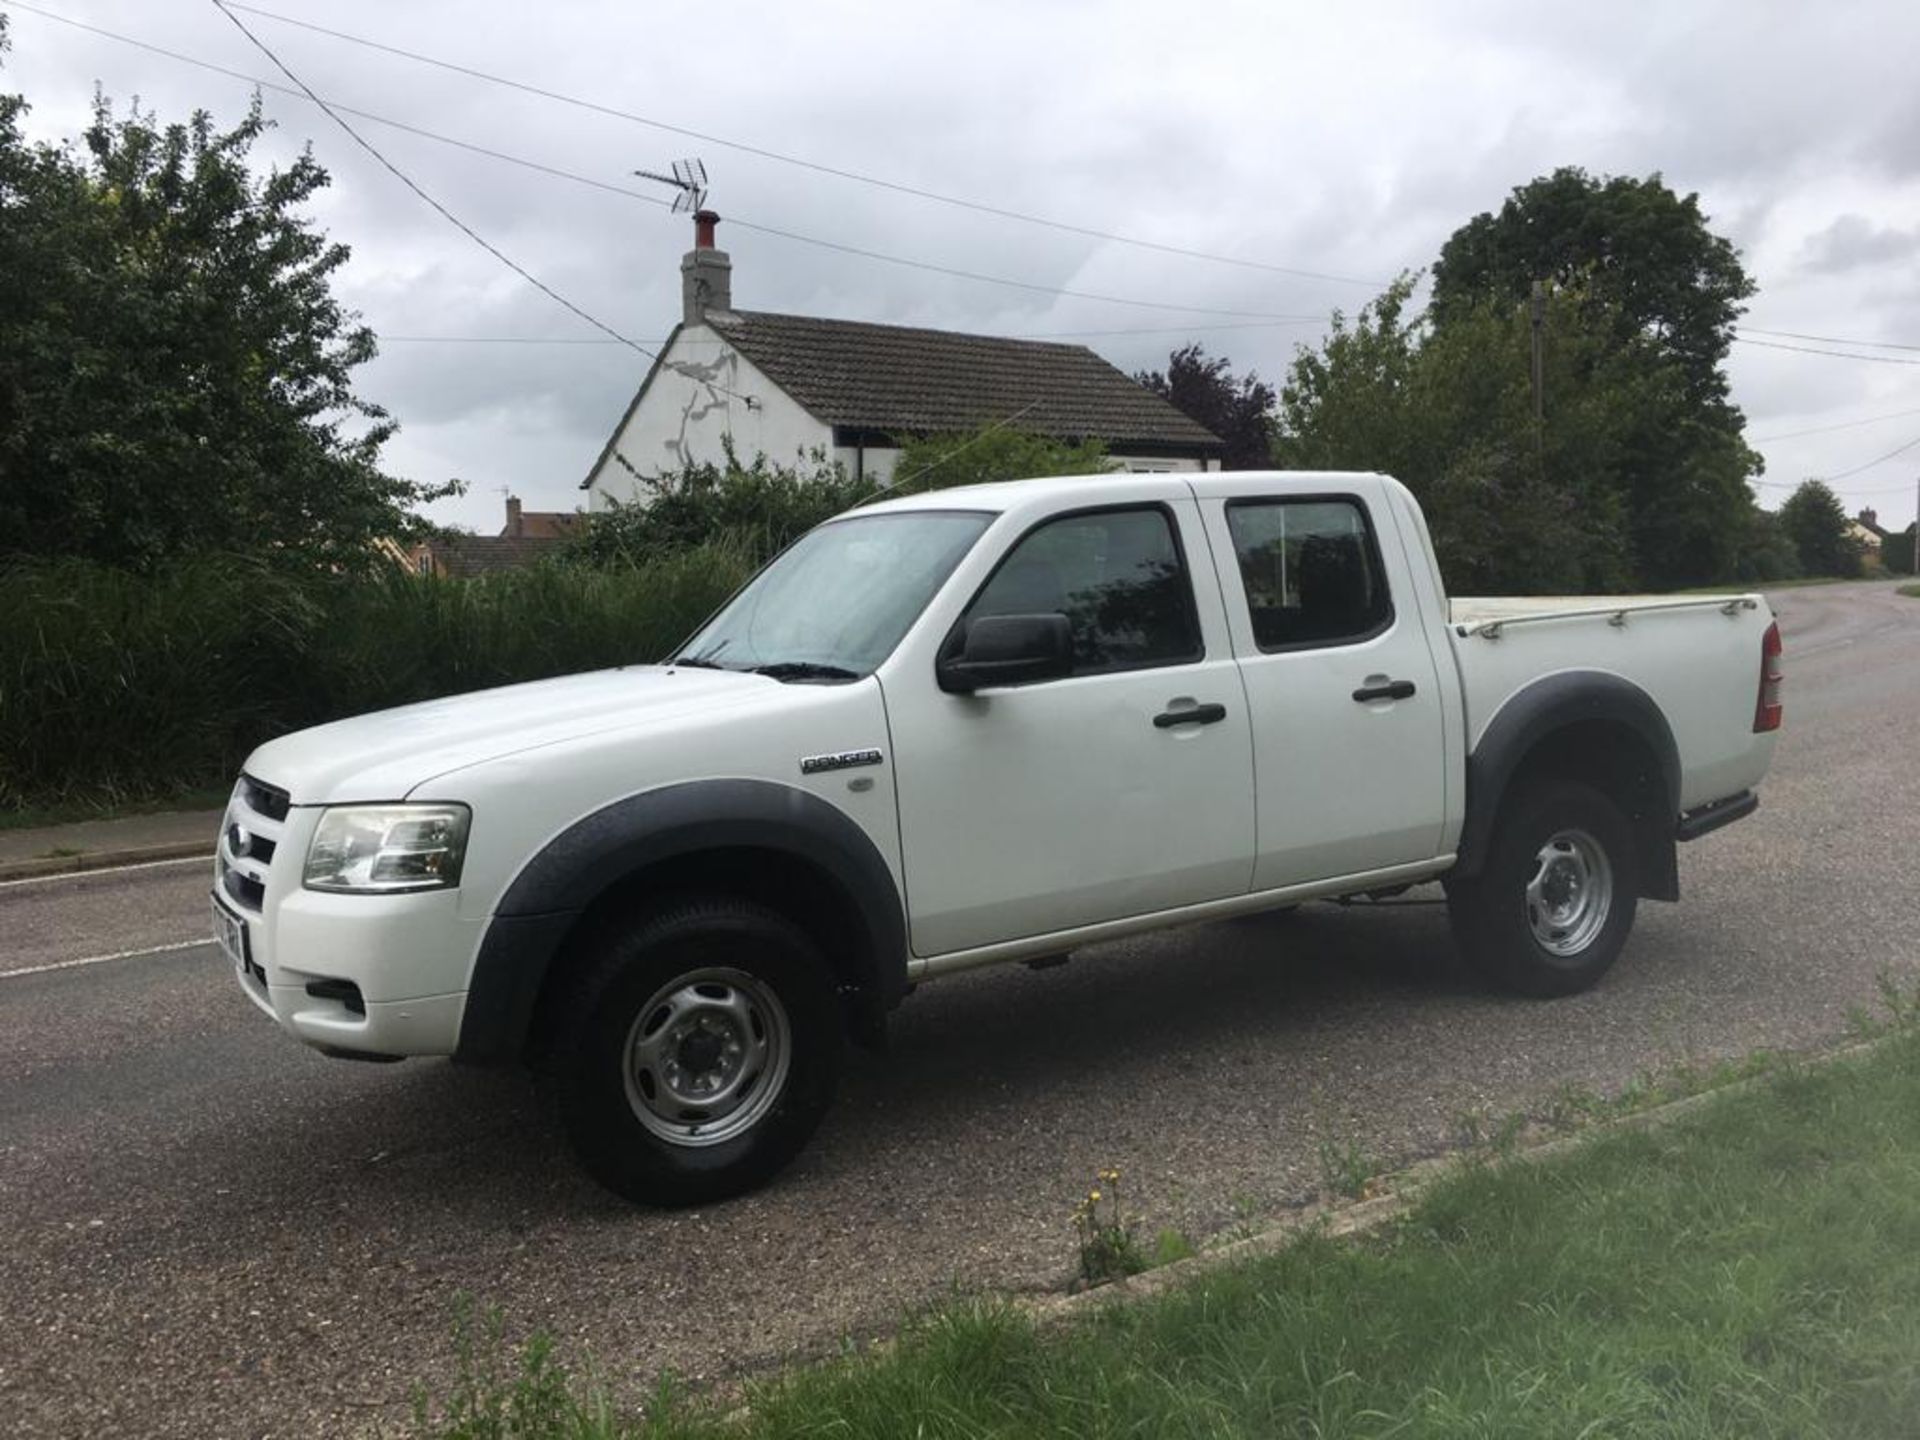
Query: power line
{"points": [[335, 109], [443, 211], [1838, 476], [299, 94], [898, 187], [1020, 335], [1826, 479], [1829, 339], [1897, 450], [1834, 354], [1828, 429]]}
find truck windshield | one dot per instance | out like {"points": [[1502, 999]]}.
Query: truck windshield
{"points": [[834, 604]]}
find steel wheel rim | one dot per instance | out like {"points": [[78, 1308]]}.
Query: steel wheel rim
{"points": [[707, 1057], [1570, 893]]}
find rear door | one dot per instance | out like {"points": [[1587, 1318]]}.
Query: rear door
{"points": [[1121, 789], [1348, 743]]}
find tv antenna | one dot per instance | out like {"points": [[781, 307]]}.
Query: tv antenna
{"points": [[689, 177]]}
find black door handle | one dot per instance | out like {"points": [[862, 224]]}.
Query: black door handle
{"points": [[1392, 690], [1192, 715]]}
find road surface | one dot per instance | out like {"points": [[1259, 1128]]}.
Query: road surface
{"points": [[210, 1230]]}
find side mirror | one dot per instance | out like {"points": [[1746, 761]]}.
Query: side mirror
{"points": [[1007, 650]]}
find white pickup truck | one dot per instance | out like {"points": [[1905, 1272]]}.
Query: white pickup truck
{"points": [[963, 728]]}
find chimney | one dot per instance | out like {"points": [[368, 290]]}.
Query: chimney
{"points": [[706, 274], [516, 523], [1870, 519]]}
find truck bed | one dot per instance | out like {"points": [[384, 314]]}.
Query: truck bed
{"points": [[1697, 656]]}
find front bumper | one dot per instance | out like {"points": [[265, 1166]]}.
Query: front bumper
{"points": [[369, 974]]}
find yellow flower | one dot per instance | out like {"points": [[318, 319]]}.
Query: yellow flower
{"points": [[1093, 1195]]}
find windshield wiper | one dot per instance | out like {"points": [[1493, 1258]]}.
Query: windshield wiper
{"points": [[805, 670], [695, 662]]}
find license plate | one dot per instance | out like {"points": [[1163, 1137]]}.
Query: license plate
{"points": [[230, 933]]}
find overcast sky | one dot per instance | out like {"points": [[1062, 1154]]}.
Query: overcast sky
{"points": [[1346, 140]]}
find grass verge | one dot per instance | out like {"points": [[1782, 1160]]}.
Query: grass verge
{"points": [[1751, 1270], [1913, 590], [34, 817]]}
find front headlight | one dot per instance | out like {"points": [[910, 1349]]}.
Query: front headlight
{"points": [[388, 849]]}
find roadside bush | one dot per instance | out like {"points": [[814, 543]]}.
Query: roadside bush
{"points": [[1896, 552], [117, 687]]}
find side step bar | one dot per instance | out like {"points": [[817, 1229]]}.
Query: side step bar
{"points": [[1709, 818]]}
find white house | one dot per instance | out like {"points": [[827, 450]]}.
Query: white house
{"points": [[788, 385]]}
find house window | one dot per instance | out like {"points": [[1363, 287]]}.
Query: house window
{"points": [[1311, 571]]}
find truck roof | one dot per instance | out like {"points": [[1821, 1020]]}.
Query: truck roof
{"points": [[1006, 494]]}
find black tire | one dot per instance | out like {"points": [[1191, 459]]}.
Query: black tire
{"points": [[616, 1064], [1509, 929]]}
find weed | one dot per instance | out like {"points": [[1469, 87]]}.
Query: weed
{"points": [[1171, 1245], [1505, 1139], [61, 852], [492, 1399], [1246, 1212], [1345, 1169], [1109, 1249], [1902, 1003]]}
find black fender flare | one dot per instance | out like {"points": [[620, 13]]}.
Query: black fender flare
{"points": [[547, 897], [1532, 715]]}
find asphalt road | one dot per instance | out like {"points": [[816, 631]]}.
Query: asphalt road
{"points": [[212, 1231]]}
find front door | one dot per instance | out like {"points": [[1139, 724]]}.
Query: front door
{"points": [[1120, 789]]}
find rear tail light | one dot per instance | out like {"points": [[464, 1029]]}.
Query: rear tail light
{"points": [[1766, 707]]}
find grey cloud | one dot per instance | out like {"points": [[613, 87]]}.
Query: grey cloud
{"points": [[1853, 242]]}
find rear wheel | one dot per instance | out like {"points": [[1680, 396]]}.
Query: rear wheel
{"points": [[698, 1052], [1551, 910]]}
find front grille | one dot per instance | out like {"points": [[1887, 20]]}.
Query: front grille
{"points": [[245, 891], [264, 799], [250, 837]]}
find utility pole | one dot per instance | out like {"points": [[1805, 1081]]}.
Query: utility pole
{"points": [[1916, 527], [1538, 312]]}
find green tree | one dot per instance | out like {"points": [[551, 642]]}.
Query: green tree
{"points": [[1763, 551], [1673, 290], [175, 372], [1816, 522], [991, 453], [1514, 508], [1635, 244], [757, 509], [1237, 409]]}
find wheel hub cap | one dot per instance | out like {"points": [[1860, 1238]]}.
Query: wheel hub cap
{"points": [[707, 1056], [1570, 893]]}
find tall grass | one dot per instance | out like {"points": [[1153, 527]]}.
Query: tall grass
{"points": [[117, 687]]}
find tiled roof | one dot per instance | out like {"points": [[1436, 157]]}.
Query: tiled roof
{"points": [[903, 381], [467, 555]]}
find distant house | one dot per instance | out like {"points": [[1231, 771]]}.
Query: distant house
{"points": [[785, 386], [527, 535], [1864, 530]]}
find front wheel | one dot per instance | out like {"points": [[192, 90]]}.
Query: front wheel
{"points": [[1551, 911], [701, 1048]]}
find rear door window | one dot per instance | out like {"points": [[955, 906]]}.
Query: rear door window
{"points": [[1311, 570]]}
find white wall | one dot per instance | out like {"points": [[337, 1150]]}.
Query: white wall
{"points": [[700, 395], [703, 392]]}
